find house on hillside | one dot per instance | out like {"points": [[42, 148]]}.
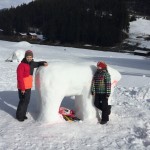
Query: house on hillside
{"points": [[22, 35], [142, 52], [33, 36]]}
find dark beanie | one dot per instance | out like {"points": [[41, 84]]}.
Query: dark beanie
{"points": [[28, 53]]}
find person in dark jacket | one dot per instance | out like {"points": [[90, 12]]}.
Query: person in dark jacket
{"points": [[24, 82], [101, 89]]}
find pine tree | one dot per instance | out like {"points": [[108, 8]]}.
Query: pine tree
{"points": [[97, 22]]}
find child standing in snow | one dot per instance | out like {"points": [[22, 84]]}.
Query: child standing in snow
{"points": [[101, 89], [24, 82]]}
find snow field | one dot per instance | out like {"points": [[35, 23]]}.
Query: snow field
{"points": [[128, 128]]}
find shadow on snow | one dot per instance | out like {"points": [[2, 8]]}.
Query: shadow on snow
{"points": [[9, 101]]}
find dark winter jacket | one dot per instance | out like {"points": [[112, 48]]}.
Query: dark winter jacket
{"points": [[24, 73], [101, 83]]}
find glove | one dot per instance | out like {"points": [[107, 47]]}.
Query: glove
{"points": [[107, 96], [93, 93]]}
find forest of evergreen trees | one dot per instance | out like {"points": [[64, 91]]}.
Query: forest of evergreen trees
{"points": [[96, 22], [140, 7]]}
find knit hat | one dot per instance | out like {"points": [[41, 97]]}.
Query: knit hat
{"points": [[28, 53], [101, 64]]}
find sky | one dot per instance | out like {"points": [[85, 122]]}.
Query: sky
{"points": [[9, 3]]}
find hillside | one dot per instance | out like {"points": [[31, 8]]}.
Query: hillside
{"points": [[69, 22]]}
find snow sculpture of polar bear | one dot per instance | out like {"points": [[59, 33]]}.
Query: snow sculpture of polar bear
{"points": [[59, 80]]}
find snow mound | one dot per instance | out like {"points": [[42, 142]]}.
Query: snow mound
{"points": [[16, 56], [23, 44], [59, 80]]}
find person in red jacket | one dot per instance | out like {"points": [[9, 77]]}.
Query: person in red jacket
{"points": [[24, 82]]}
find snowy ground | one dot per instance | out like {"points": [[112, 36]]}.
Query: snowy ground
{"points": [[129, 126]]}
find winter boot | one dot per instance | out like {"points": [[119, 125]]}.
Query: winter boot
{"points": [[103, 122], [21, 120], [25, 117]]}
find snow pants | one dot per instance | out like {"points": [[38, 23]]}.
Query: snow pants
{"points": [[101, 102], [23, 104]]}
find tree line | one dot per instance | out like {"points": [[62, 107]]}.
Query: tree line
{"points": [[96, 22], [139, 6]]}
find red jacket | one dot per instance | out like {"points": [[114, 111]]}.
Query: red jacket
{"points": [[25, 72]]}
